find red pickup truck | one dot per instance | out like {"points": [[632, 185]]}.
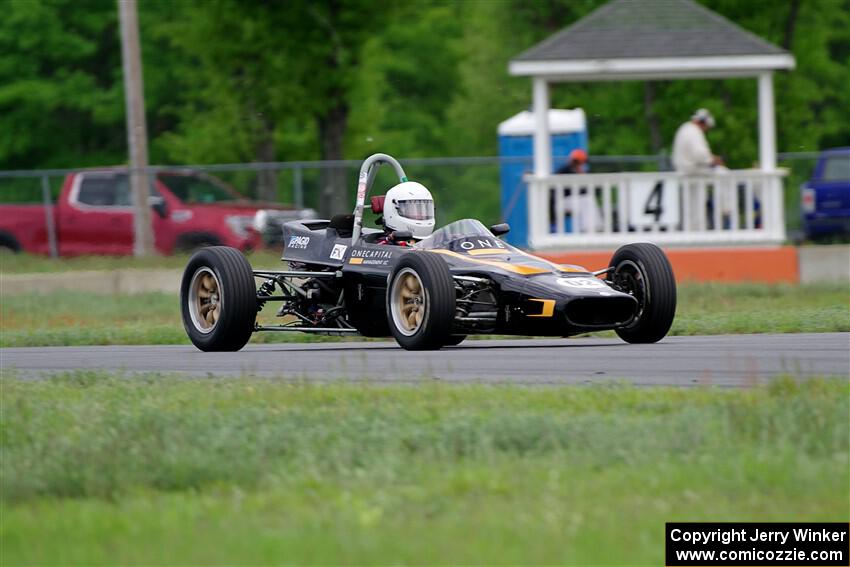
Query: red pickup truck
{"points": [[94, 215]]}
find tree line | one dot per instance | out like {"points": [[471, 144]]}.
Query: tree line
{"points": [[251, 80]]}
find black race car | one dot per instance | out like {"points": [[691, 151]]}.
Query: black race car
{"points": [[461, 280]]}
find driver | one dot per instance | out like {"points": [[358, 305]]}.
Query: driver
{"points": [[407, 207]]}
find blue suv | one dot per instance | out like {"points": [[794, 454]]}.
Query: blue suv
{"points": [[826, 196]]}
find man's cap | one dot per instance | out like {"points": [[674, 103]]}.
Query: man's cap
{"points": [[704, 116]]}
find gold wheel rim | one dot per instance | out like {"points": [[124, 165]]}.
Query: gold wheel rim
{"points": [[205, 300], [409, 302]]}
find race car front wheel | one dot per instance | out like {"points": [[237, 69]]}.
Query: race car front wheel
{"points": [[454, 340], [421, 301], [643, 271], [218, 299]]}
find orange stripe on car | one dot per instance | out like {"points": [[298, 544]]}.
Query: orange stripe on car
{"points": [[507, 266], [558, 267], [548, 307]]}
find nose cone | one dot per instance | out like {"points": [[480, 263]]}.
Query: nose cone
{"points": [[565, 285]]}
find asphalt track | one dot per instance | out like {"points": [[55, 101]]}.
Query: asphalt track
{"points": [[724, 360]]}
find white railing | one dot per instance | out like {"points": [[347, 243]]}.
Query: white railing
{"points": [[610, 209]]}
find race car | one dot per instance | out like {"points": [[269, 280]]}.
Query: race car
{"points": [[459, 281]]}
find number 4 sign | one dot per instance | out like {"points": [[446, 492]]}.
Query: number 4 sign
{"points": [[653, 203]]}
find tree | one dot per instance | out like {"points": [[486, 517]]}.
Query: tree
{"points": [[238, 83], [59, 73], [327, 37], [409, 77], [261, 73]]}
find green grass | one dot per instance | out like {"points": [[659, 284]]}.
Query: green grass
{"points": [[100, 469], [73, 318], [78, 318], [709, 309], [33, 264]]}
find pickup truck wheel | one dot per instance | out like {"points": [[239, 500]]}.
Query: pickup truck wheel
{"points": [[643, 271], [8, 244], [421, 301], [218, 298], [193, 241]]}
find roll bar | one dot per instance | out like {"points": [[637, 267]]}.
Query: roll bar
{"points": [[368, 171]]}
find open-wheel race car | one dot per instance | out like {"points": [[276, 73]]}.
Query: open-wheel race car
{"points": [[461, 280]]}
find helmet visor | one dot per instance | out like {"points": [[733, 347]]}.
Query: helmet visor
{"points": [[416, 209]]}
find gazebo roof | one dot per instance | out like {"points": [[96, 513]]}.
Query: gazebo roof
{"points": [[644, 39]]}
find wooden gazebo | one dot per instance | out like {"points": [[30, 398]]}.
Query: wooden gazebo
{"points": [[628, 40]]}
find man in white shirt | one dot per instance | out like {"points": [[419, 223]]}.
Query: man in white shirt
{"points": [[692, 156]]}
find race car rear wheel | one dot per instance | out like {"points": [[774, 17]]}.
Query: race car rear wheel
{"points": [[218, 299], [643, 271], [421, 301]]}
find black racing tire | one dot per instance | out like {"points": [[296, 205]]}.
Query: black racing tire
{"points": [[218, 299], [432, 305], [454, 340], [643, 271]]}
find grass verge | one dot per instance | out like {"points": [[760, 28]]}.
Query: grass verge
{"points": [[35, 264], [99, 469], [75, 318]]}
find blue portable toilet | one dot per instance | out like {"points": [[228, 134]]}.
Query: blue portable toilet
{"points": [[568, 129]]}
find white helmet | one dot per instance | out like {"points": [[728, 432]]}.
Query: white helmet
{"points": [[409, 206]]}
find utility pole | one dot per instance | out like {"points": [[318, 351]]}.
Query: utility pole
{"points": [[137, 135]]}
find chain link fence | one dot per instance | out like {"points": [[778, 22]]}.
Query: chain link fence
{"points": [[463, 187]]}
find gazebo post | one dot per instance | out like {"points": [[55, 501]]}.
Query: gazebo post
{"points": [[767, 122], [542, 141]]}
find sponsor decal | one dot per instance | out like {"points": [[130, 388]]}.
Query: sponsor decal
{"points": [[365, 253], [298, 242], [582, 283], [338, 253], [361, 192], [368, 257], [479, 243]]}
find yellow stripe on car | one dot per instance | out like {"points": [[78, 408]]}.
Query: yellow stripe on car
{"points": [[507, 266], [548, 307], [522, 269]]}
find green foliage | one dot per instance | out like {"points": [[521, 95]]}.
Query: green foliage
{"points": [[159, 470], [234, 83], [61, 102], [411, 75]]}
